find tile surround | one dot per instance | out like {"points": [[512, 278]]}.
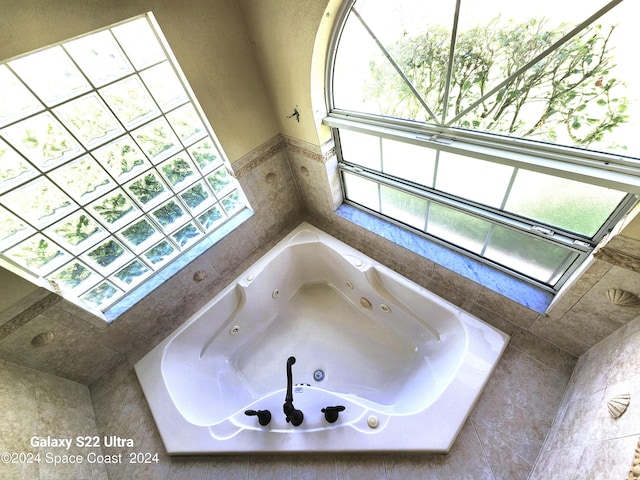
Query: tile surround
{"points": [[25, 310], [34, 403], [507, 428], [584, 437]]}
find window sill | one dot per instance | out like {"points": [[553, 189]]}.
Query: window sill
{"points": [[500, 282]]}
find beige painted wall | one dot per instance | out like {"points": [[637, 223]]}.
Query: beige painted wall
{"points": [[632, 227], [208, 38], [13, 289], [290, 40]]}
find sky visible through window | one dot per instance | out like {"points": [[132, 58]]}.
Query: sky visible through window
{"points": [[108, 171]]}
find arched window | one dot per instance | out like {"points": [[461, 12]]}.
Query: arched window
{"points": [[505, 130]]}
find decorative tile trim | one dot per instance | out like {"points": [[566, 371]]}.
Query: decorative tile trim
{"points": [[256, 157], [321, 154], [317, 157], [620, 259], [29, 313], [258, 161], [275, 145], [621, 243]]}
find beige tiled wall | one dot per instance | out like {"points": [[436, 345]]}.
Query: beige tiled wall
{"points": [[585, 440], [37, 404], [584, 316]]}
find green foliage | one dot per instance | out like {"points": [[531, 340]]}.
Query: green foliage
{"points": [[10, 225], [129, 273], [154, 140], [73, 275], [195, 196], [113, 208], [219, 179], [77, 230], [41, 253], [208, 218], [52, 143], [11, 165], [158, 253], [177, 171], [123, 158], [232, 201], [186, 124], [90, 120], [147, 188], [204, 155], [128, 101], [138, 232], [100, 294], [168, 214], [41, 199], [106, 253], [185, 234], [570, 95], [84, 177]]}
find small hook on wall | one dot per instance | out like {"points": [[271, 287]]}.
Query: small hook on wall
{"points": [[295, 114]]}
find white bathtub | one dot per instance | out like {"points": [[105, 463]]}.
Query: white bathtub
{"points": [[406, 365]]}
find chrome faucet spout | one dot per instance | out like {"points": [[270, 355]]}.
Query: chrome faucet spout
{"points": [[292, 415]]}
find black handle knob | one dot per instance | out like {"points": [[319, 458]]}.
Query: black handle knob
{"points": [[331, 413], [264, 416]]}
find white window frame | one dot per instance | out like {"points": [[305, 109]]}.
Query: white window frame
{"points": [[596, 168]]}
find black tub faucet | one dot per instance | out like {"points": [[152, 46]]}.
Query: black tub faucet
{"points": [[292, 415]]}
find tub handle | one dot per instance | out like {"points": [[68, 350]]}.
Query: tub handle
{"points": [[331, 413], [264, 416]]}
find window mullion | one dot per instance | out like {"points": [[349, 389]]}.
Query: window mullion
{"points": [[396, 66], [426, 217], [513, 222], [452, 50], [572, 33], [487, 240], [562, 272], [507, 192]]}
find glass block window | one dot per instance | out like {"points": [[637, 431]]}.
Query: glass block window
{"points": [[507, 132], [108, 169]]}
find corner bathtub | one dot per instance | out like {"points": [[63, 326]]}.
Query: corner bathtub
{"points": [[406, 365]]}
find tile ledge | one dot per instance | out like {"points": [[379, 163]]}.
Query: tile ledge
{"points": [[502, 283]]}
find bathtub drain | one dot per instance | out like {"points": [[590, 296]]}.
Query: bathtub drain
{"points": [[318, 375]]}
